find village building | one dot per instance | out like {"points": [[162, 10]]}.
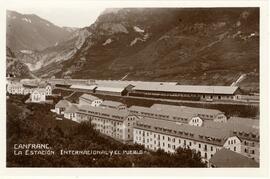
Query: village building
{"points": [[38, 96], [117, 124], [15, 88], [61, 106], [70, 112], [48, 88], [167, 135], [113, 105], [244, 128], [225, 158], [29, 88], [88, 99], [204, 113], [180, 116]]}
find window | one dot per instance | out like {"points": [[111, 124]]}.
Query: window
{"points": [[205, 155], [234, 149], [199, 145], [190, 144], [211, 148], [205, 147], [179, 141]]}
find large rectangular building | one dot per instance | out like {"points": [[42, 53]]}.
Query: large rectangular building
{"points": [[167, 135], [181, 114], [192, 91], [247, 130], [115, 123]]}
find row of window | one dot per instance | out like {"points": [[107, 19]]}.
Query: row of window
{"points": [[170, 147], [173, 140]]}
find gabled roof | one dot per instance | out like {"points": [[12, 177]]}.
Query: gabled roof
{"points": [[110, 89], [43, 85], [85, 87], [39, 90], [188, 109], [187, 88], [226, 158], [169, 114], [72, 108], [119, 115], [63, 104], [15, 84], [239, 126], [30, 85], [89, 97], [210, 135], [111, 103]]}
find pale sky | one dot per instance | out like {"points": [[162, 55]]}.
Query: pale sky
{"points": [[71, 17]]}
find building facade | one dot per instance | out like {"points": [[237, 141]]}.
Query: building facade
{"points": [[70, 112], [61, 106], [113, 105], [205, 93], [247, 130], [88, 99], [111, 122], [38, 96], [167, 135]]}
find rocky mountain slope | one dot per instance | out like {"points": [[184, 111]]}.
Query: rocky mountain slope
{"points": [[37, 42], [14, 67], [29, 32], [189, 45]]}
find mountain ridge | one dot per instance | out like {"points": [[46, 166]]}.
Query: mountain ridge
{"points": [[209, 46]]}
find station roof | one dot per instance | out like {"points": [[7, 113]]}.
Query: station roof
{"points": [[229, 90], [110, 89], [85, 87]]}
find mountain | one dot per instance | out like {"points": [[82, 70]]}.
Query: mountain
{"points": [[210, 46], [36, 42], [15, 67], [29, 32], [58, 53], [192, 46]]}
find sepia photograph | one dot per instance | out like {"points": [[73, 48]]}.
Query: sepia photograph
{"points": [[133, 87]]}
